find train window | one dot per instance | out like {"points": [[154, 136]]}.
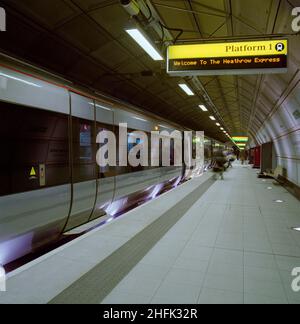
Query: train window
{"points": [[194, 147], [85, 139], [34, 149], [172, 148], [84, 150]]}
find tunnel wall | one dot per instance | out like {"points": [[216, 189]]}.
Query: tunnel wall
{"points": [[283, 129], [277, 111]]}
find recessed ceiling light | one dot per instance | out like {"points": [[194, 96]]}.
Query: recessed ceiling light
{"points": [[218, 124], [269, 188], [186, 89], [278, 201], [203, 108], [222, 128], [212, 117]]}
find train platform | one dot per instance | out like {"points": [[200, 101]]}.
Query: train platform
{"points": [[207, 241]]}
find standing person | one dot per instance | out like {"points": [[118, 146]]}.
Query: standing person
{"points": [[242, 157], [247, 156], [219, 165], [231, 159]]}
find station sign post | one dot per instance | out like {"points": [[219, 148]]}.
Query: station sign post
{"points": [[229, 58]]}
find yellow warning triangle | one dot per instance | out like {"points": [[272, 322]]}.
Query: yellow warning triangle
{"points": [[32, 172]]}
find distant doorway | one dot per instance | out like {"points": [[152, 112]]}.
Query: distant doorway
{"points": [[268, 159]]}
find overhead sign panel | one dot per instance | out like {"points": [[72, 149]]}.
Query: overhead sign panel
{"points": [[248, 57], [240, 139]]}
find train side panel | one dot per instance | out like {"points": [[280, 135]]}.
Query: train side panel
{"points": [[28, 91], [35, 189]]}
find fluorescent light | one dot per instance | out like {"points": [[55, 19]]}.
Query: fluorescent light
{"points": [[212, 117], [278, 201], [20, 80], [144, 44], [140, 119], [296, 229], [186, 89], [163, 126], [203, 108], [218, 124]]}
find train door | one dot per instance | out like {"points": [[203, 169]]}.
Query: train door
{"points": [[257, 157], [83, 152], [106, 174]]}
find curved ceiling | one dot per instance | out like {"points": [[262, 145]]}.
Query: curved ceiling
{"points": [[85, 41]]}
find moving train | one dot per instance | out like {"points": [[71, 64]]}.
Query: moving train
{"points": [[50, 182]]}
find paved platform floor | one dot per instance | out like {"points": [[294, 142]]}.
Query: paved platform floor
{"points": [[234, 245], [231, 243]]}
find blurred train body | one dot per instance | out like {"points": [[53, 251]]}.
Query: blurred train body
{"points": [[49, 179]]}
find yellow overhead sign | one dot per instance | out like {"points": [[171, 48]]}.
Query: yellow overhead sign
{"points": [[228, 49], [238, 57]]}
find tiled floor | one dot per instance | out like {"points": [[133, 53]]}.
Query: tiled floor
{"points": [[235, 245]]}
